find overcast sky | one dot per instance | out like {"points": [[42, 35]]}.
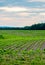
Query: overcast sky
{"points": [[21, 12]]}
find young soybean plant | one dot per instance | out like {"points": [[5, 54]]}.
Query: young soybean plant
{"points": [[1, 37]]}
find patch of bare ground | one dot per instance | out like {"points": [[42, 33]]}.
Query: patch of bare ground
{"points": [[31, 45], [43, 46]]}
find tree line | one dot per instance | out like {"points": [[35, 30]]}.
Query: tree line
{"points": [[39, 26]]}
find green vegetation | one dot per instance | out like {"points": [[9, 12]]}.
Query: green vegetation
{"points": [[22, 47]]}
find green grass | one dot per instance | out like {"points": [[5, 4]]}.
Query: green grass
{"points": [[22, 47]]}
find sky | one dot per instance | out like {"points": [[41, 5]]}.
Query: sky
{"points": [[18, 13]]}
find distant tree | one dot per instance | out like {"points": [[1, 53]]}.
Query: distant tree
{"points": [[39, 26]]}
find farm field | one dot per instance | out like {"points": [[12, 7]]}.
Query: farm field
{"points": [[22, 47]]}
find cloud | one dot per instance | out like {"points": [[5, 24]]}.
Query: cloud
{"points": [[43, 14], [22, 9], [21, 16], [36, 9], [36, 0], [13, 9], [25, 14], [24, 21]]}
